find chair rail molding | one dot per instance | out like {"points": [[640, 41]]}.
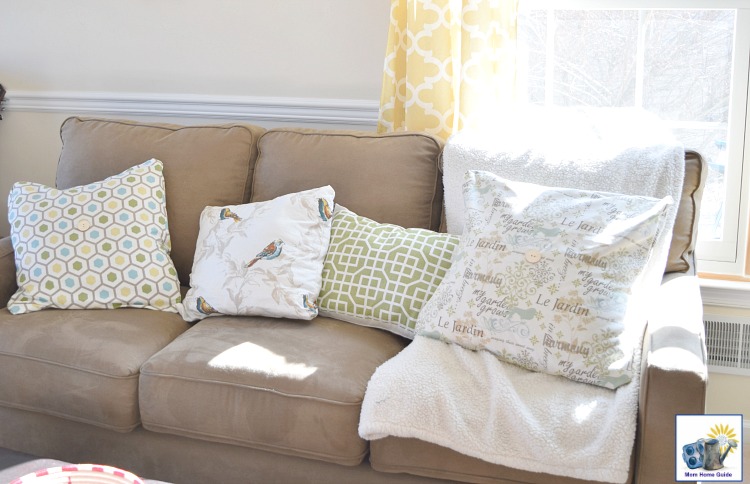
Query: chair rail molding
{"points": [[277, 109]]}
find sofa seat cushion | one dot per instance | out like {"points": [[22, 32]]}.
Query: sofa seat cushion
{"points": [[287, 386], [413, 456], [81, 365]]}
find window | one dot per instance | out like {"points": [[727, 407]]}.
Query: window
{"points": [[685, 60]]}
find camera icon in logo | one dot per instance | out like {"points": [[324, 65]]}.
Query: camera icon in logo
{"points": [[692, 454]]}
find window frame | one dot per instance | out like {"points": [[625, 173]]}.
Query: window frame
{"points": [[731, 255]]}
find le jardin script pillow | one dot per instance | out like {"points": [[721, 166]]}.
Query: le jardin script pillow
{"points": [[261, 259], [543, 277], [381, 275], [102, 245]]}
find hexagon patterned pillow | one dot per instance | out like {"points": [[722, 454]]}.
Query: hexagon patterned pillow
{"points": [[102, 245]]}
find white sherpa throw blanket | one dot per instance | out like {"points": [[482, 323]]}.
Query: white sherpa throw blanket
{"points": [[480, 406], [475, 404]]}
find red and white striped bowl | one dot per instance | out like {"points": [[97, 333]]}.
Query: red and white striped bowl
{"points": [[80, 474]]}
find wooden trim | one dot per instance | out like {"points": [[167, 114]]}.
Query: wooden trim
{"points": [[723, 277]]}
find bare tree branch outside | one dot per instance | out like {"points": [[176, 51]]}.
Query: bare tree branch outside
{"points": [[675, 63]]}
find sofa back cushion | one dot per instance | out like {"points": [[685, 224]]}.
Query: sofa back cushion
{"points": [[390, 178], [685, 232], [203, 165]]}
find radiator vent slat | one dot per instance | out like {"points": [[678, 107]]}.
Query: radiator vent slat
{"points": [[728, 344]]}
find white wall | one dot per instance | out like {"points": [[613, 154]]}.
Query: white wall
{"points": [[312, 50]]}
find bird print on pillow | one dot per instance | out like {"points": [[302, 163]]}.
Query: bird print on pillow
{"points": [[203, 307], [325, 209], [272, 251], [226, 214], [309, 303]]}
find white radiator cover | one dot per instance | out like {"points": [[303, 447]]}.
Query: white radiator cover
{"points": [[728, 344]]}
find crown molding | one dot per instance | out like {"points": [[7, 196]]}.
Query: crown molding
{"points": [[277, 109]]}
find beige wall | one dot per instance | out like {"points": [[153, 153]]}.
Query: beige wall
{"points": [[728, 393], [296, 48], [29, 147]]}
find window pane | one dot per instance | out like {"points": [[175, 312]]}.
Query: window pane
{"points": [[532, 37], [688, 76], [688, 64], [598, 68], [675, 63]]}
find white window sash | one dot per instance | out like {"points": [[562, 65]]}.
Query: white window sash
{"points": [[725, 256], [728, 255]]}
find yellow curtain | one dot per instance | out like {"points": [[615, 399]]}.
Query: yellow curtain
{"points": [[449, 65]]}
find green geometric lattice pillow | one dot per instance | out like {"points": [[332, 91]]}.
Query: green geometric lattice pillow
{"points": [[102, 245], [380, 275]]}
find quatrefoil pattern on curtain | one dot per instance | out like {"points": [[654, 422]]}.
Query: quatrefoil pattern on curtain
{"points": [[449, 65]]}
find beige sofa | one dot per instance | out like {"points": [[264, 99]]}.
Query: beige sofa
{"points": [[134, 388]]}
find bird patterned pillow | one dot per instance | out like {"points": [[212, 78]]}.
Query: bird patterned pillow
{"points": [[261, 259]]}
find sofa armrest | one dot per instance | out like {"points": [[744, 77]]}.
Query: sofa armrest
{"points": [[7, 271], [674, 375]]}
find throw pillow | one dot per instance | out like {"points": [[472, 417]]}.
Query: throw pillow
{"points": [[381, 275], [262, 259], [102, 245], [543, 277]]}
